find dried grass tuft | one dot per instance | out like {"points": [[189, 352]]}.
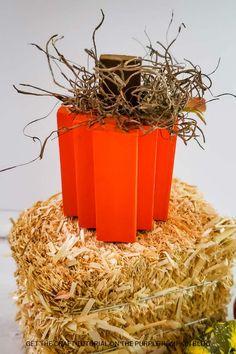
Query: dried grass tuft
{"points": [[167, 286], [163, 98]]}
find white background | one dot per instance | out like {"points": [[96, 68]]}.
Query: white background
{"points": [[210, 33]]}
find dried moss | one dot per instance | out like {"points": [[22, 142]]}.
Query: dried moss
{"points": [[163, 97]]}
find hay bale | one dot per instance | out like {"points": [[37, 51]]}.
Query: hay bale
{"points": [[87, 296]]}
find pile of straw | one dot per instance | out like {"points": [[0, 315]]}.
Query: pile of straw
{"points": [[79, 295]]}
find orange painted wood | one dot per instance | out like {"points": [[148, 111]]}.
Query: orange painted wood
{"points": [[115, 179], [66, 150], [83, 148], [146, 178], [164, 169]]}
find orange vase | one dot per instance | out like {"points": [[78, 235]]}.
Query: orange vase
{"points": [[115, 181], [65, 119]]}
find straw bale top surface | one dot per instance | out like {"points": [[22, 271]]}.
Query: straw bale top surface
{"points": [[189, 216], [62, 260], [72, 286]]}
